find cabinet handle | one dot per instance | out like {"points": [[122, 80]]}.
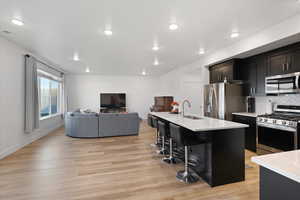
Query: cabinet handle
{"points": [[287, 66], [283, 67]]}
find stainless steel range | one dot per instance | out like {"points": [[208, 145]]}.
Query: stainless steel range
{"points": [[278, 131]]}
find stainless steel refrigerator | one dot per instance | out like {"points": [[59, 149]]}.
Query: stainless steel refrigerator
{"points": [[223, 99]]}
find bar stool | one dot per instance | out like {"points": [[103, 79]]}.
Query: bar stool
{"points": [[171, 159], [155, 125], [164, 134], [183, 138], [149, 121]]}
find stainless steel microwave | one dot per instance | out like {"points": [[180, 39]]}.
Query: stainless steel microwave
{"points": [[283, 84]]}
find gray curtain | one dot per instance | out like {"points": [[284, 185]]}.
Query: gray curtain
{"points": [[31, 95]]}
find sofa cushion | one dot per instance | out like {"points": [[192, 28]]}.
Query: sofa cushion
{"points": [[113, 124]]}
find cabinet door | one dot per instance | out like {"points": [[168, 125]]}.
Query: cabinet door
{"points": [[294, 65], [219, 72], [250, 133], [278, 63], [248, 75], [227, 72], [213, 75], [261, 75]]}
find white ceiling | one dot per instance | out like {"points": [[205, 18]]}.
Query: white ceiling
{"points": [[55, 29]]}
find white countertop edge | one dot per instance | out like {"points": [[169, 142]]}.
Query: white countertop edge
{"points": [[227, 127], [246, 114], [233, 125], [257, 160]]}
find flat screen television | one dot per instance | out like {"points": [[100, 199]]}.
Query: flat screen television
{"points": [[112, 100]]}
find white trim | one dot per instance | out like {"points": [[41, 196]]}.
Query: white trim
{"points": [[50, 116], [50, 76]]}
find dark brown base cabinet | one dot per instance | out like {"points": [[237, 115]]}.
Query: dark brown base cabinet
{"points": [[250, 133]]}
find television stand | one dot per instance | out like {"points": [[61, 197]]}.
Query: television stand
{"points": [[113, 110]]}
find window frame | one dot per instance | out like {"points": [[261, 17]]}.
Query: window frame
{"points": [[59, 80]]}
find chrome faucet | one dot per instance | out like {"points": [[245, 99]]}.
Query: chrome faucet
{"points": [[189, 104]]}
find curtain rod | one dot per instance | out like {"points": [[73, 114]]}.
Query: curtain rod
{"points": [[42, 62]]}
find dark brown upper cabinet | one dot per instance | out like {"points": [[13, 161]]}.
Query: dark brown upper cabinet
{"points": [[224, 71], [248, 73], [253, 71], [295, 60], [261, 73], [284, 60], [278, 63]]}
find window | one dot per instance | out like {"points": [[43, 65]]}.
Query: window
{"points": [[50, 94]]}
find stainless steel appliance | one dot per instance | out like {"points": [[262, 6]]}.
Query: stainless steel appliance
{"points": [[278, 131], [223, 99], [283, 84]]}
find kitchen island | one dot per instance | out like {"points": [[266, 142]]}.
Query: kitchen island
{"points": [[279, 175], [222, 158]]}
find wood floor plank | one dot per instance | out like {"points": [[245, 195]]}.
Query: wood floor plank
{"points": [[118, 168]]}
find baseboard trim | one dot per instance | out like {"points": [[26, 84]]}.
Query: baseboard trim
{"points": [[38, 135]]}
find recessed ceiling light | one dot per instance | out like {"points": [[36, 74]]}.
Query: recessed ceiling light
{"points": [[17, 22], [108, 32], [156, 63], [234, 34], [155, 48], [87, 70], [173, 27], [76, 57], [201, 52], [144, 73]]}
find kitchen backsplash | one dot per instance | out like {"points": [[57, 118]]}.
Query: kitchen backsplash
{"points": [[262, 102]]}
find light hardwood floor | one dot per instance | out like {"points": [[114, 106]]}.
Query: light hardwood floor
{"points": [[60, 167]]}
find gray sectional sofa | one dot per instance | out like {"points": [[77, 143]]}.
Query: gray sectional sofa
{"points": [[93, 125]]}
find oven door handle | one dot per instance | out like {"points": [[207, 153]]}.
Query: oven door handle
{"points": [[297, 82]]}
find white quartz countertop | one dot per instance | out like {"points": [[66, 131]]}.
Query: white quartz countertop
{"points": [[286, 163], [247, 114], [203, 124]]}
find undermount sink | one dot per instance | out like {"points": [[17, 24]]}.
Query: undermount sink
{"points": [[192, 117]]}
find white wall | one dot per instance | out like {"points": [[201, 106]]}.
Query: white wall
{"points": [[262, 101], [83, 91], [184, 85], [12, 73]]}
